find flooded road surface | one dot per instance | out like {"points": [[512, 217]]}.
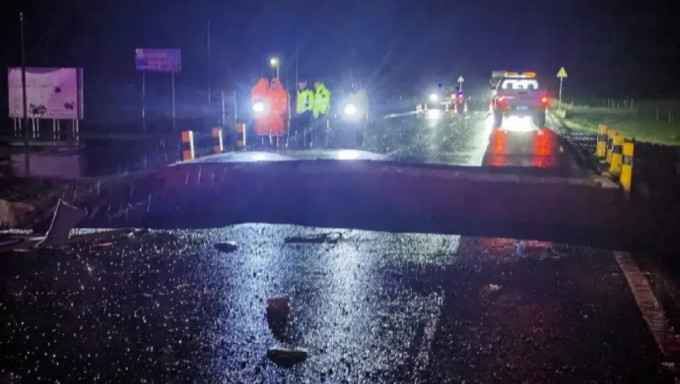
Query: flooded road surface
{"points": [[371, 307]]}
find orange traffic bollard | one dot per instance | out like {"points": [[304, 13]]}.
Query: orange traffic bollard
{"points": [[240, 135], [187, 145], [217, 139]]}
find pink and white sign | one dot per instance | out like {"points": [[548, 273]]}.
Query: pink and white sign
{"points": [[52, 93]]}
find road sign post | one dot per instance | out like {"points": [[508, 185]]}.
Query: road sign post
{"points": [[460, 82], [158, 60], [561, 74], [144, 101]]}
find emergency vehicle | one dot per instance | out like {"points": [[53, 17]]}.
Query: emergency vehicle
{"points": [[435, 104], [518, 94]]}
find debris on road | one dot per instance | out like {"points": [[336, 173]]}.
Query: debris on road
{"points": [[226, 247], [278, 311], [13, 213], [331, 238], [540, 250], [66, 217], [491, 289], [287, 357], [670, 366]]}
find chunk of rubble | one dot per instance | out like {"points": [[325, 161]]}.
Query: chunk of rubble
{"points": [[287, 357], [66, 217], [226, 247], [331, 238], [278, 311], [669, 366], [490, 289], [12, 213]]}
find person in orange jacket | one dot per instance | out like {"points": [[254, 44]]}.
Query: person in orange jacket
{"points": [[261, 104], [279, 99]]}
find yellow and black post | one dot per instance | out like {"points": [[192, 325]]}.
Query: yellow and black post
{"points": [[627, 166], [187, 145], [610, 144], [617, 156], [240, 135], [601, 146], [217, 140]]}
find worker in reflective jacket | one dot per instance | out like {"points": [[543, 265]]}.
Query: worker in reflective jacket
{"points": [[320, 111], [300, 126], [278, 97], [261, 105]]}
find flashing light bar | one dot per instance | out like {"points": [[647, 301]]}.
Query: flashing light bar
{"points": [[528, 75]]}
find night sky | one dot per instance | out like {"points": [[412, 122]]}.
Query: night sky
{"points": [[612, 48]]}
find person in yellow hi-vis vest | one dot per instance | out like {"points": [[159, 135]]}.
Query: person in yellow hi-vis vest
{"points": [[320, 111], [300, 126]]}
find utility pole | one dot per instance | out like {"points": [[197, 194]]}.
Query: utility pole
{"points": [[207, 61], [297, 65], [23, 78]]}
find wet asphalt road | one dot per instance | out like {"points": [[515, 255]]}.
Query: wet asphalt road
{"points": [[469, 140], [167, 307]]}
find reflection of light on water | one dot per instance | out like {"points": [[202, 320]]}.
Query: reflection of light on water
{"points": [[518, 124], [348, 154], [434, 114], [260, 156]]}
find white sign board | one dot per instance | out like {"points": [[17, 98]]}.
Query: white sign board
{"points": [[51, 93], [460, 79]]}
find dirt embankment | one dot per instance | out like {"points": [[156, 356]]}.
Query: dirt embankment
{"points": [[29, 203]]}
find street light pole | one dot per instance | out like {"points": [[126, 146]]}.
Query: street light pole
{"points": [[23, 78], [275, 63], [207, 62]]}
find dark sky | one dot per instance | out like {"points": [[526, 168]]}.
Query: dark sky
{"points": [[609, 47]]}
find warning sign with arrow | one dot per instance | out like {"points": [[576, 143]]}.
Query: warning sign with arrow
{"points": [[562, 73]]}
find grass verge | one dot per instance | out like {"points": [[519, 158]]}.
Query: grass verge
{"points": [[627, 122]]}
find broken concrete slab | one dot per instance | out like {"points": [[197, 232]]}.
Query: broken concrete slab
{"points": [[278, 311], [331, 238], [66, 217], [226, 247], [287, 357]]}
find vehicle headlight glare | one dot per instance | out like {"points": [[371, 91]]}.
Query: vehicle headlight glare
{"points": [[258, 107], [350, 109]]}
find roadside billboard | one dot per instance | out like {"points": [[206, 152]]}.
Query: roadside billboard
{"points": [[51, 93], [158, 60]]}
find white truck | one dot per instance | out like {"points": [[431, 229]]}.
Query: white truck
{"points": [[518, 94]]}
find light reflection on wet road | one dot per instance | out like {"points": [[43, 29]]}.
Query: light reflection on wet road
{"points": [[469, 140], [374, 308]]}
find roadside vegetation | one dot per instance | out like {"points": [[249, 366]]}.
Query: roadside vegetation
{"points": [[629, 122]]}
